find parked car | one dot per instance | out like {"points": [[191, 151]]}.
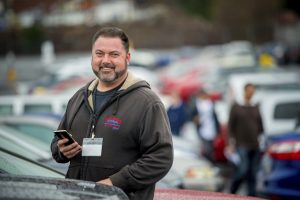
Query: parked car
{"points": [[264, 81], [279, 174], [237, 54], [279, 111], [16, 164], [171, 180], [23, 144], [40, 127], [29, 147], [197, 173], [32, 187], [66, 86], [191, 169], [176, 194], [33, 104], [66, 69]]}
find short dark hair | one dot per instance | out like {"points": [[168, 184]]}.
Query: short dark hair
{"points": [[113, 32], [249, 85]]}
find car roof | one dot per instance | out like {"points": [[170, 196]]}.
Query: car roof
{"points": [[35, 98], [31, 187], [31, 119], [265, 77], [261, 80], [280, 96]]}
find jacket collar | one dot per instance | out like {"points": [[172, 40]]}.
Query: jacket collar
{"points": [[130, 80]]}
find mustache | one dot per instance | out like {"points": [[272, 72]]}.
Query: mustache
{"points": [[107, 65]]}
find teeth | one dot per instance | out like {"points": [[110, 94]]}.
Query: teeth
{"points": [[107, 69]]}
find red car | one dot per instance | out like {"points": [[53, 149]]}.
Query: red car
{"points": [[179, 194], [187, 82]]}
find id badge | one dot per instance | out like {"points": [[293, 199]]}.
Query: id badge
{"points": [[92, 146]]}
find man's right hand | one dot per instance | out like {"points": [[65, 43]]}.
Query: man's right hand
{"points": [[68, 151]]}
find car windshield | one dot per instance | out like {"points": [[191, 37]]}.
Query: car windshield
{"points": [[13, 165], [11, 146], [40, 132], [20, 140]]}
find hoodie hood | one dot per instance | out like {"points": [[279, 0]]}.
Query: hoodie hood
{"points": [[131, 83]]}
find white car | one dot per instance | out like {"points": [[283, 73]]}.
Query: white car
{"points": [[31, 104], [279, 111], [264, 81], [237, 54], [197, 172]]}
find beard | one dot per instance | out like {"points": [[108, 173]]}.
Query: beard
{"points": [[109, 77]]}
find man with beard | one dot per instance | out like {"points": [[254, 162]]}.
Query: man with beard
{"points": [[120, 127]]}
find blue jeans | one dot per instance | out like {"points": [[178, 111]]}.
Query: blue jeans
{"points": [[246, 170]]}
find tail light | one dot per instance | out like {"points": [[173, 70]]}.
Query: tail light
{"points": [[287, 150]]}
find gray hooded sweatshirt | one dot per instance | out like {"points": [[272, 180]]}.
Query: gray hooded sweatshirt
{"points": [[137, 148]]}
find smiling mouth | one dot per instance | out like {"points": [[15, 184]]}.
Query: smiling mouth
{"points": [[106, 69]]}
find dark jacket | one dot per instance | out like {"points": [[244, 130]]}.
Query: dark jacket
{"points": [[245, 125], [137, 145]]}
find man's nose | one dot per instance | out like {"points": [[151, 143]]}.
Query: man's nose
{"points": [[106, 59]]}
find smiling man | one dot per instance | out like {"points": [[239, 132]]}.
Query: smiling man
{"points": [[120, 125]]}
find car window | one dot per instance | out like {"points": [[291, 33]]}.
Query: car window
{"points": [[287, 110], [37, 108], [14, 165], [6, 109], [42, 133], [279, 86]]}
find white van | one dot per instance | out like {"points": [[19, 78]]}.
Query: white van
{"points": [[33, 104], [279, 111], [264, 81]]}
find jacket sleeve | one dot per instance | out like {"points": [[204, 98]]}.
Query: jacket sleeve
{"points": [[260, 122], [56, 154], [156, 149]]}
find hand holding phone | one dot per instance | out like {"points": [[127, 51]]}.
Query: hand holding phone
{"points": [[61, 134]]}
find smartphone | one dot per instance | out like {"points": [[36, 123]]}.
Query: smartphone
{"points": [[61, 134]]}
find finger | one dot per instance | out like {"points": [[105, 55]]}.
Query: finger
{"points": [[73, 152], [60, 143], [69, 147]]}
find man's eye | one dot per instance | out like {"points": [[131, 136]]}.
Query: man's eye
{"points": [[99, 54], [114, 55]]}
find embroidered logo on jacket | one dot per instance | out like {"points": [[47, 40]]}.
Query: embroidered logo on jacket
{"points": [[112, 122]]}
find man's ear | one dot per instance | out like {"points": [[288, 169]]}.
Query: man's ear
{"points": [[128, 58]]}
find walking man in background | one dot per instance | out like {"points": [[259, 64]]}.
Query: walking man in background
{"points": [[120, 125], [244, 127]]}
